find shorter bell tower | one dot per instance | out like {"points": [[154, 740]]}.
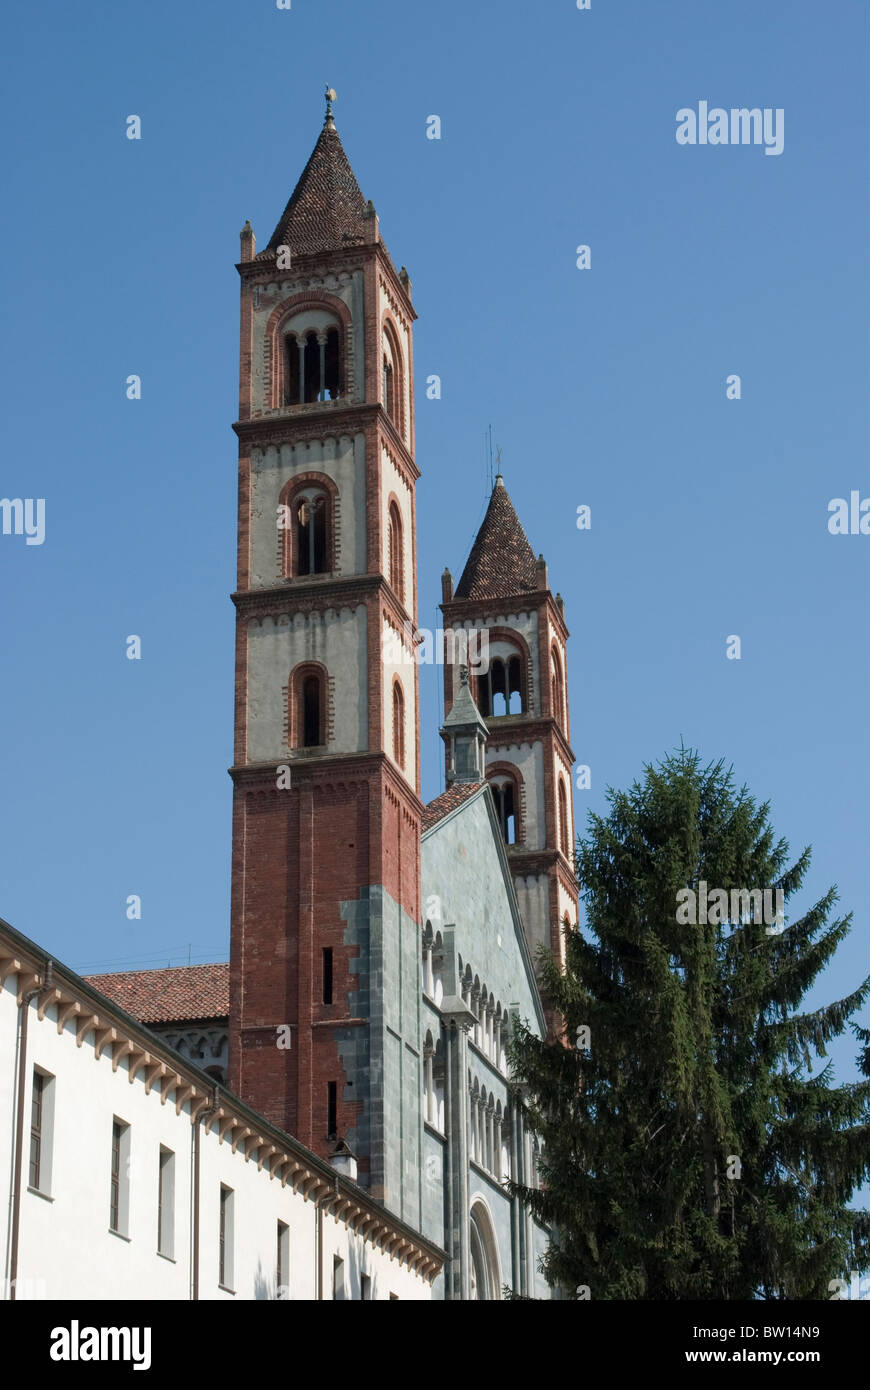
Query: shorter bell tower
{"points": [[519, 699]]}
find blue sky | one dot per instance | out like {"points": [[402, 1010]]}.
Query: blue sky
{"points": [[604, 387]]}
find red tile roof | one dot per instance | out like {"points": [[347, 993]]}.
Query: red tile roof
{"points": [[501, 563], [448, 801], [326, 208], [169, 996]]}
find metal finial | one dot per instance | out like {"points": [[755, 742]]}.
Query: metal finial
{"points": [[331, 95], [463, 675]]}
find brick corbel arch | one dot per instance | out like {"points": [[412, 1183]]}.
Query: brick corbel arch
{"points": [[287, 536], [273, 353]]}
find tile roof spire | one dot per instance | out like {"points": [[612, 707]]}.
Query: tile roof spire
{"points": [[326, 210], [501, 563]]}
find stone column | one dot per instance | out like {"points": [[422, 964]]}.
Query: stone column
{"points": [[321, 342], [300, 342]]}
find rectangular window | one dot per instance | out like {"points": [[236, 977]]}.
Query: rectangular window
{"points": [[41, 1131], [337, 1278], [225, 1267], [327, 974], [119, 1208], [166, 1203], [282, 1276], [366, 1288], [331, 1109]]}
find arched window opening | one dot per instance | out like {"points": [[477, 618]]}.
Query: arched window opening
{"points": [[484, 1260], [389, 389], [557, 688], [504, 794], [563, 818], [398, 724], [428, 981], [332, 382], [438, 968], [312, 367], [396, 551], [500, 690], [311, 731], [312, 510], [429, 1079], [438, 1078], [514, 686]]}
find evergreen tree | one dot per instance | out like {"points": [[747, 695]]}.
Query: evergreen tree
{"points": [[688, 1151]]}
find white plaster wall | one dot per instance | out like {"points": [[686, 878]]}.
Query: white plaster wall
{"points": [[393, 483], [340, 458], [66, 1250], [337, 639], [8, 1071], [528, 758], [65, 1245]]}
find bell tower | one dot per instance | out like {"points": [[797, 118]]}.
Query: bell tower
{"points": [[522, 695], [325, 990]]}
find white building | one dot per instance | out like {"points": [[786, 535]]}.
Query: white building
{"points": [[131, 1174]]}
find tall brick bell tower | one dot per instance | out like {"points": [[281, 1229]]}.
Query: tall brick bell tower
{"points": [[325, 989]]}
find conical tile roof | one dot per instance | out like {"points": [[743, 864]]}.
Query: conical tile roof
{"points": [[326, 210], [501, 563]]}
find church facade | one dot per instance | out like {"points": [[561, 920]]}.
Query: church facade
{"points": [[380, 947], [391, 939]]}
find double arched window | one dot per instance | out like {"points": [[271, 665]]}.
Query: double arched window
{"points": [[311, 519], [505, 793], [312, 366], [501, 690], [307, 520]]}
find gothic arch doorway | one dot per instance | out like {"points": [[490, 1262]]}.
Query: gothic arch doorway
{"points": [[485, 1277]]}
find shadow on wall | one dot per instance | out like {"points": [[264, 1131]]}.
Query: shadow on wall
{"points": [[344, 1281]]}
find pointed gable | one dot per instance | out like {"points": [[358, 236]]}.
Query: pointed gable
{"points": [[326, 210], [501, 563]]}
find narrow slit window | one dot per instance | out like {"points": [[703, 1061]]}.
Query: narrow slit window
{"points": [[311, 735], [282, 1262], [327, 974], [36, 1128], [225, 1238], [331, 1109], [166, 1203]]}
